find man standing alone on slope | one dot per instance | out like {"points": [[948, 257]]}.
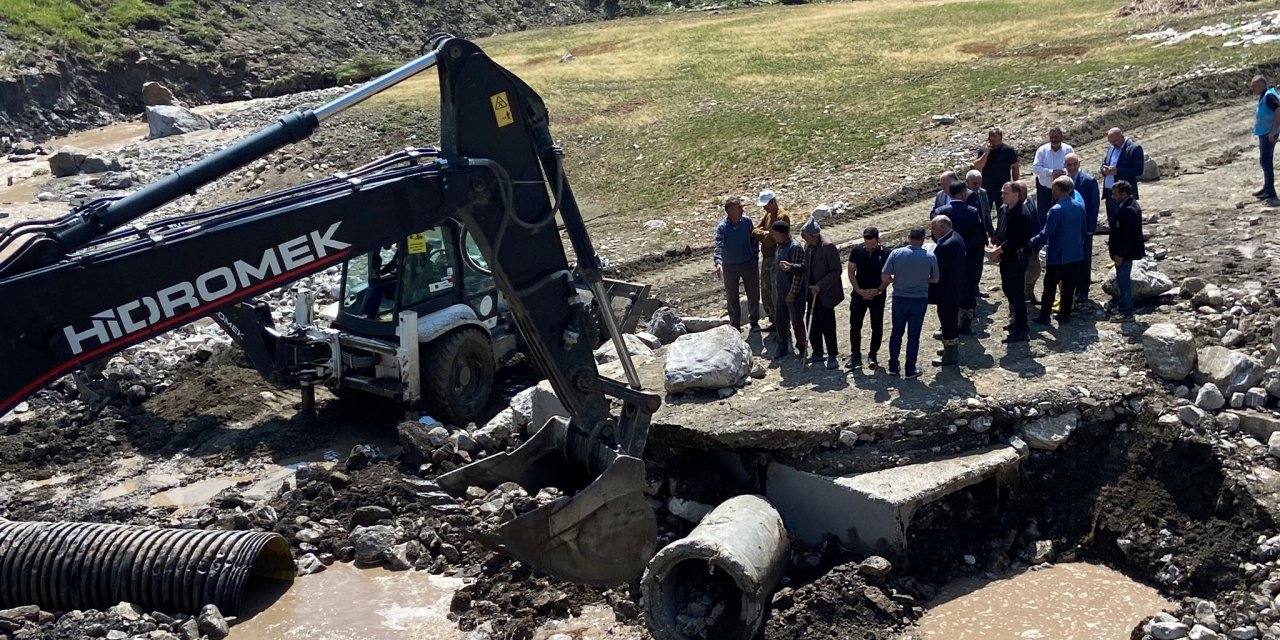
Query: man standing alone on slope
{"points": [[1266, 124], [763, 234], [736, 255]]}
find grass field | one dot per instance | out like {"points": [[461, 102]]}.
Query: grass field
{"points": [[674, 111]]}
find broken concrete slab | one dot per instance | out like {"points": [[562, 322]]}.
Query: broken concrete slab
{"points": [[1256, 423], [1050, 432], [870, 512]]}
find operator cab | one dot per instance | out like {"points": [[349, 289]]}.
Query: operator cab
{"points": [[425, 272]]}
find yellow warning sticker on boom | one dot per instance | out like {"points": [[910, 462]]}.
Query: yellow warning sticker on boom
{"points": [[502, 109]]}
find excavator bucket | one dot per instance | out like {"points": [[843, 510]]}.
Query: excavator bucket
{"points": [[601, 532]]}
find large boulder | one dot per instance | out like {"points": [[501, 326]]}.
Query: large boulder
{"points": [[1170, 351], [1148, 282], [1231, 371], [66, 162], [666, 325], [535, 405], [1150, 169], [166, 120], [155, 94], [712, 359], [100, 164]]}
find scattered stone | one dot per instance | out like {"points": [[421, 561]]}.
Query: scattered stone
{"points": [[1209, 296], [847, 438], [66, 162], [368, 516], [1168, 630], [711, 360], [126, 610], [1148, 281], [115, 181], [362, 455], [1170, 352], [699, 325], [1233, 338], [649, 340], [416, 442], [1050, 432], [168, 120], [309, 564], [1273, 444], [155, 94], [1150, 169], [1237, 400], [397, 557], [688, 509], [943, 119], [666, 326], [1201, 632], [1210, 397], [1255, 398], [1231, 371], [1042, 551], [980, 424], [372, 542], [875, 566], [1191, 414], [212, 624], [635, 347], [1190, 287], [100, 164]]}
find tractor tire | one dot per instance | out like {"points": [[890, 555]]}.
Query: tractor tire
{"points": [[457, 375]]}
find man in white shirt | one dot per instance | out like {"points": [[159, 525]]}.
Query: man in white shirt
{"points": [[1050, 163]]}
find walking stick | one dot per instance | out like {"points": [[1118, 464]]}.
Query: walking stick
{"points": [[808, 329]]}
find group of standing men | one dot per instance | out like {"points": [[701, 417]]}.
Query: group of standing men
{"points": [[799, 280]]}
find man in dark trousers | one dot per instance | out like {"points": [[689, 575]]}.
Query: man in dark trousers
{"points": [[967, 223], [1087, 189], [997, 161], [1011, 249], [790, 287], [911, 270], [866, 263], [1124, 160], [1063, 239], [737, 259], [947, 292], [826, 290], [1266, 125], [980, 199], [1034, 264], [1125, 245]]}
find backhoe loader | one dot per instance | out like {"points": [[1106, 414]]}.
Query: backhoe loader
{"points": [[419, 235]]}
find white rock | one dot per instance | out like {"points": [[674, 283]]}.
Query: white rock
{"points": [[535, 405], [1255, 397], [848, 438], [635, 347], [688, 509], [1191, 414], [1201, 632], [1273, 444], [649, 340], [168, 120], [1170, 351], [1237, 400], [1050, 432], [1210, 397], [980, 424], [1231, 371], [1168, 630], [710, 360], [1148, 282]]}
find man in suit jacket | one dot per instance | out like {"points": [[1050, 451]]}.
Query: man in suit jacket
{"points": [[1087, 189], [966, 221], [1125, 245], [1063, 239], [979, 199], [943, 195], [1011, 251], [948, 290], [826, 289], [1124, 160]]}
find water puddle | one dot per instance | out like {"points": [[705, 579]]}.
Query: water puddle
{"points": [[344, 602], [1063, 602], [196, 494]]}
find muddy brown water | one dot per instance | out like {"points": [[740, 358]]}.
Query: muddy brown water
{"points": [[1064, 602]]}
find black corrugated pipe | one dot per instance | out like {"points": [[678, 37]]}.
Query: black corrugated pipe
{"points": [[62, 566]]}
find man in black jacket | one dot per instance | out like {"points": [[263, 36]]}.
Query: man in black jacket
{"points": [[966, 221], [1012, 251], [946, 293], [1125, 245], [866, 262]]}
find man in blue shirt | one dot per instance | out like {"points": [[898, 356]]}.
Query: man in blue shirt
{"points": [[1063, 239], [1087, 190], [737, 263], [910, 270], [1266, 124]]}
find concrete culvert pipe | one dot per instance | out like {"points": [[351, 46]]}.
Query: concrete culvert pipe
{"points": [[62, 566], [716, 582]]}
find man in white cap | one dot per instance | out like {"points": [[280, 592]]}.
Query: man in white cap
{"points": [[768, 268]]}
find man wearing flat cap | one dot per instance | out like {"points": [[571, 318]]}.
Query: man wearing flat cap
{"points": [[791, 289], [826, 290], [764, 235]]}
